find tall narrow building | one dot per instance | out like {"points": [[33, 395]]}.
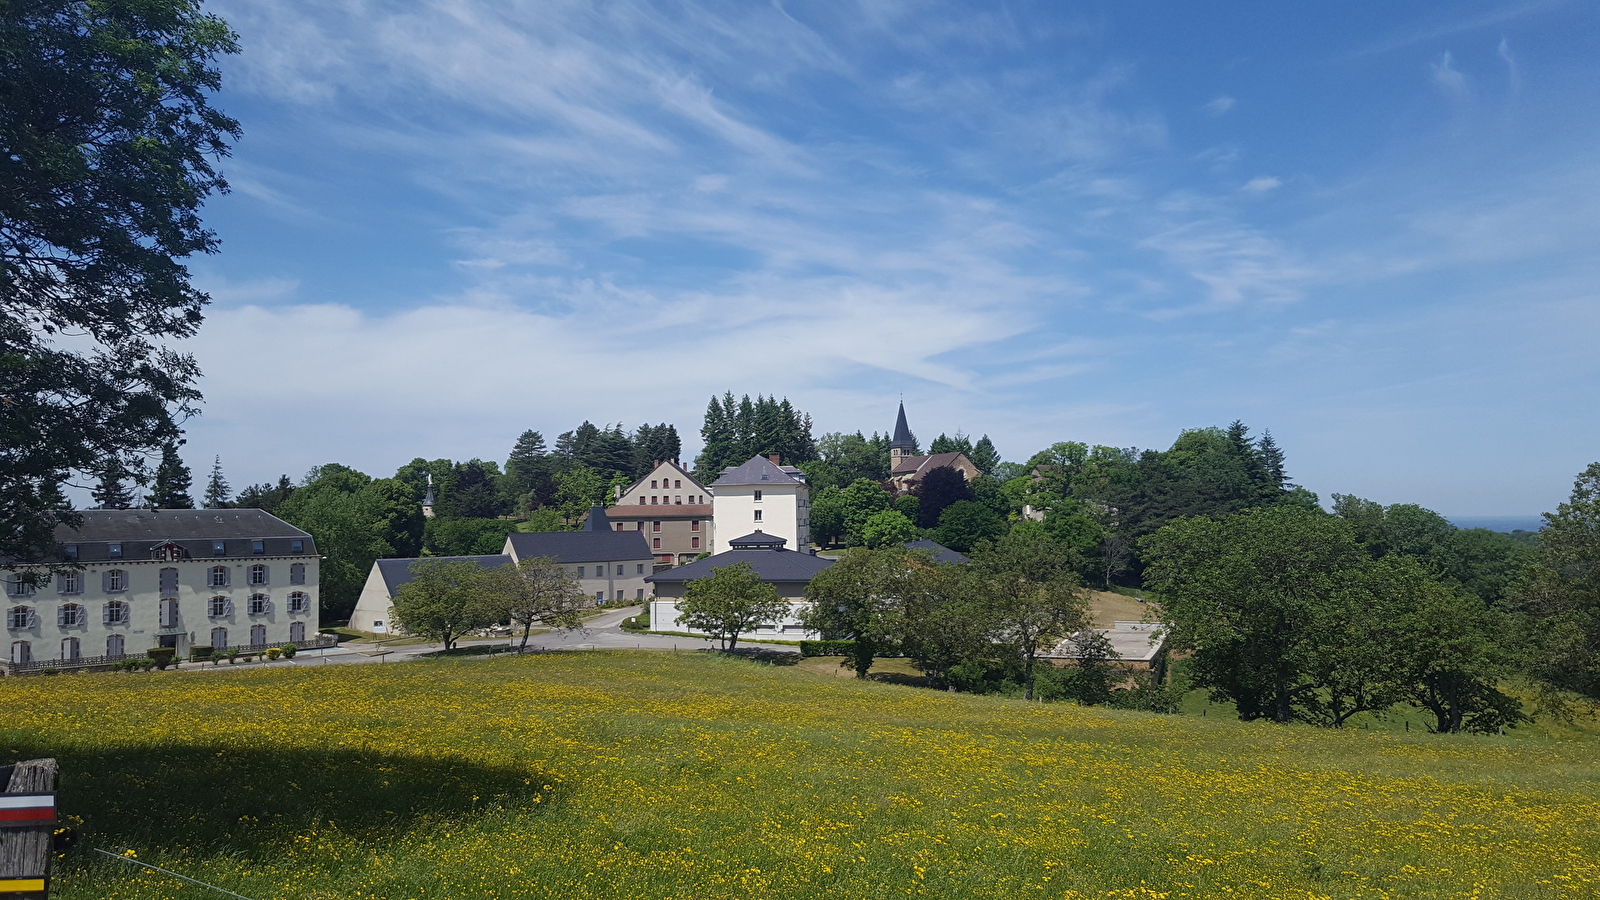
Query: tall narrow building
{"points": [[762, 495]]}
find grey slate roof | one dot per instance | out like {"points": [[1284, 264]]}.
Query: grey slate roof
{"points": [[397, 572], [760, 470], [902, 431], [597, 520], [580, 546], [757, 539], [941, 553], [771, 566], [140, 530]]}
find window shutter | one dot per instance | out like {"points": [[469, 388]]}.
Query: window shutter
{"points": [[33, 618], [61, 584], [227, 576], [227, 607], [105, 614], [266, 574], [105, 582]]}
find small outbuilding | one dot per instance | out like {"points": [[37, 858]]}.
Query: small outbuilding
{"points": [[786, 570]]}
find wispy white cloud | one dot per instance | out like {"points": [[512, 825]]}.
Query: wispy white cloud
{"points": [[1447, 76], [1262, 184], [1219, 106]]}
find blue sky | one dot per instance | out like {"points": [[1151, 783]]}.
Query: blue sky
{"points": [[1369, 227]]}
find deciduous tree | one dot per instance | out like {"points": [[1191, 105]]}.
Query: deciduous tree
{"points": [[108, 142], [446, 599], [730, 602], [861, 598], [538, 592], [1562, 593], [1030, 594]]}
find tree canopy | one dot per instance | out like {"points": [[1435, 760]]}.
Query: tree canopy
{"points": [[729, 602], [109, 143]]}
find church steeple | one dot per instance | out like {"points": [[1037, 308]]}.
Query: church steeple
{"points": [[427, 500], [903, 444]]}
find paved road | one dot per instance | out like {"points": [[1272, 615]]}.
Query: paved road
{"points": [[600, 633]]}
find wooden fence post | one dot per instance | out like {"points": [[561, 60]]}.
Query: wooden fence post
{"points": [[27, 828]]}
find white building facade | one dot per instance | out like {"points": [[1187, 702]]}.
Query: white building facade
{"points": [[762, 495], [128, 581]]}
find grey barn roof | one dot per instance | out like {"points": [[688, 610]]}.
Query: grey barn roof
{"points": [[397, 572], [580, 546], [941, 553], [140, 530], [759, 470], [769, 565], [902, 431]]}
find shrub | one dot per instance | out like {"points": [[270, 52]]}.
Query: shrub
{"points": [[289, 650], [161, 656], [201, 652], [232, 655], [52, 670], [641, 622], [273, 653]]}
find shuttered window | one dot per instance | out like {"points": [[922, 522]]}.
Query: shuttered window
{"points": [[217, 576], [115, 581], [297, 573], [169, 613], [169, 582], [258, 574], [115, 613]]}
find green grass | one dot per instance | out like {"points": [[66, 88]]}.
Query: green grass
{"points": [[692, 775]]}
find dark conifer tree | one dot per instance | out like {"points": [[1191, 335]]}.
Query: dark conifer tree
{"points": [[985, 456], [1272, 460], [218, 493], [173, 480], [112, 491]]}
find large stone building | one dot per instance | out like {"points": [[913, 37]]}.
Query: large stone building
{"points": [[175, 578], [766, 496], [671, 510], [786, 570], [906, 468], [610, 566]]}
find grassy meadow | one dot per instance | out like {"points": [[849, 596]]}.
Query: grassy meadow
{"points": [[645, 776]]}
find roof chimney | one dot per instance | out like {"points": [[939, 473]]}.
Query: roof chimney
{"points": [[777, 458]]}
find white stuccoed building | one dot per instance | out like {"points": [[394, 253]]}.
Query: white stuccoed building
{"points": [[762, 495], [130, 580]]}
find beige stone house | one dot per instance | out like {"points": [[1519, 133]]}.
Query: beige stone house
{"points": [[608, 565], [671, 510]]}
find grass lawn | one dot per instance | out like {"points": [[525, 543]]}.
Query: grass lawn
{"points": [[653, 775]]}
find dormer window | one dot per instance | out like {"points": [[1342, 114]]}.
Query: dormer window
{"points": [[259, 548], [71, 551], [297, 546], [219, 548], [114, 551]]}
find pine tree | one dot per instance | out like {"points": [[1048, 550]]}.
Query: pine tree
{"points": [[1272, 459], [218, 494], [112, 491], [527, 461], [173, 480], [716, 433], [985, 456]]}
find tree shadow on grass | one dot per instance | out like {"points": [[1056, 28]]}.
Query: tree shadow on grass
{"points": [[762, 655], [255, 800]]}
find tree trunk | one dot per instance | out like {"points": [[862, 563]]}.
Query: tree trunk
{"points": [[1027, 676], [527, 629]]}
